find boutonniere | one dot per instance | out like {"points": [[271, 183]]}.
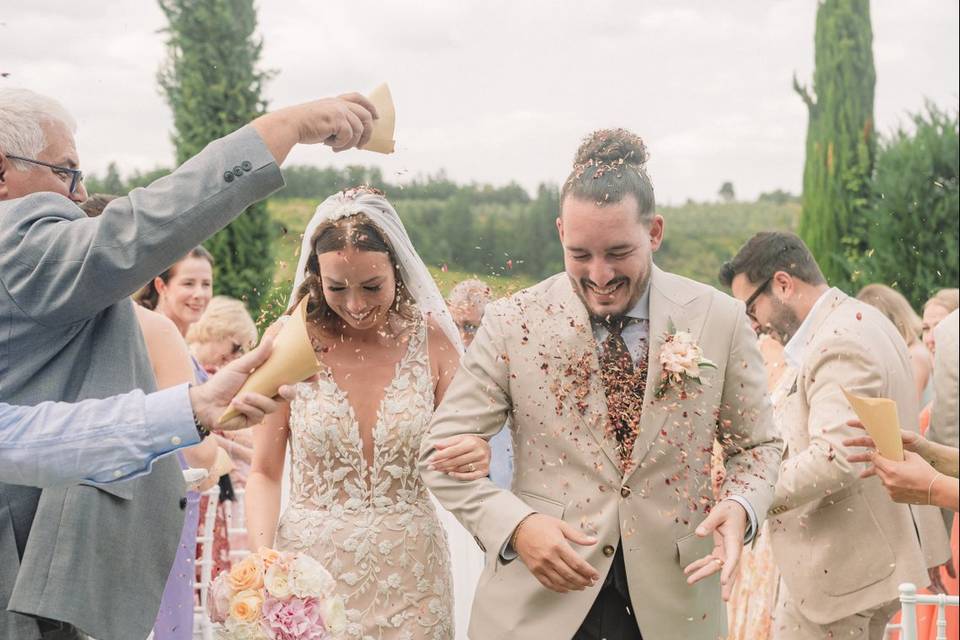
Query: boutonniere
{"points": [[681, 359]]}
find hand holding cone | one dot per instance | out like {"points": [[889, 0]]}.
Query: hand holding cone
{"points": [[292, 360]]}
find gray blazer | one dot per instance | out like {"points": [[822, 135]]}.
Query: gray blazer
{"points": [[98, 557]]}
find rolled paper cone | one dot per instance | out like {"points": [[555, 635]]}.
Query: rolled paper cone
{"points": [[382, 139], [879, 416], [292, 360]]}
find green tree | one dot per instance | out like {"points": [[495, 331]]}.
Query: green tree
{"points": [[841, 143], [213, 85], [914, 230], [726, 192], [112, 183]]}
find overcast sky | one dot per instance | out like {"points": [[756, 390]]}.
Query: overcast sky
{"points": [[499, 91]]}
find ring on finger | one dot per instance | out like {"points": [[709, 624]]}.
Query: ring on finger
{"points": [[719, 561], [472, 467]]}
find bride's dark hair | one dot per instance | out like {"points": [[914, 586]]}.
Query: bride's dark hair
{"points": [[355, 232]]}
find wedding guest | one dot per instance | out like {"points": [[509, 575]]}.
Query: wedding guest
{"points": [[943, 416], [118, 438], [172, 366], [841, 545], [753, 600], [223, 333], [467, 301], [936, 309], [72, 332], [898, 310]]}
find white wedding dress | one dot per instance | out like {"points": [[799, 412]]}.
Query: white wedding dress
{"points": [[406, 569]]}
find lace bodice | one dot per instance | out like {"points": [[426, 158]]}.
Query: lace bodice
{"points": [[328, 467], [372, 525]]}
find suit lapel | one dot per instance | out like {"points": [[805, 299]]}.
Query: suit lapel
{"points": [[670, 302], [577, 345]]}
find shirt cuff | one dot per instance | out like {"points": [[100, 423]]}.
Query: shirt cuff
{"points": [[751, 517], [170, 423]]}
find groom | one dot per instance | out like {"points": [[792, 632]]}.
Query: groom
{"points": [[613, 527]]}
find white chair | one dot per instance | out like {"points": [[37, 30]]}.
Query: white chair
{"points": [[237, 523], [202, 627], [908, 613]]}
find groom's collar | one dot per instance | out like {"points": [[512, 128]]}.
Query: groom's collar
{"points": [[641, 310]]}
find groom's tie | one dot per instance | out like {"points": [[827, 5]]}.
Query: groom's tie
{"points": [[624, 384]]}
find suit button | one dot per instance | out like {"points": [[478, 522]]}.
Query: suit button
{"points": [[183, 503], [608, 551], [246, 166], [237, 171], [624, 492], [228, 176]]}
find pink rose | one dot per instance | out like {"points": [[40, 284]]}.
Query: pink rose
{"points": [[294, 619], [218, 599]]}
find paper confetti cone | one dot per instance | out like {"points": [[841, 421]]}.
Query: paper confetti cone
{"points": [[879, 416], [292, 360], [383, 127]]}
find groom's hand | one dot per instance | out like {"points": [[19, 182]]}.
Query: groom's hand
{"points": [[542, 544], [727, 523]]}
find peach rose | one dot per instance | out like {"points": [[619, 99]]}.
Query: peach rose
{"points": [[268, 556], [247, 574], [246, 606]]}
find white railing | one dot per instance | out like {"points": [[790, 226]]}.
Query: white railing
{"points": [[909, 599], [237, 523], [202, 627]]}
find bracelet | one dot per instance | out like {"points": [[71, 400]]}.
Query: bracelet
{"points": [[513, 538], [202, 431], [930, 487]]}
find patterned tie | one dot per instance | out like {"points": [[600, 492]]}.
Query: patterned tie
{"points": [[624, 385]]}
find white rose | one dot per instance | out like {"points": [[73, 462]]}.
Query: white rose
{"points": [[308, 578], [236, 630], [335, 616], [277, 581], [681, 357]]}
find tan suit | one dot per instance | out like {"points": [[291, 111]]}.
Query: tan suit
{"points": [[946, 367], [535, 361], [841, 544]]}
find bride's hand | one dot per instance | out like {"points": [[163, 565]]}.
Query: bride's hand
{"points": [[462, 457]]}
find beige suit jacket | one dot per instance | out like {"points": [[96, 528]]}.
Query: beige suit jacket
{"points": [[841, 544], [946, 382], [534, 360]]}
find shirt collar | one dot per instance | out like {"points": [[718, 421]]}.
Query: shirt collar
{"points": [[796, 347]]}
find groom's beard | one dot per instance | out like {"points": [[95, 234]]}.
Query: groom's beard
{"points": [[783, 324], [636, 289]]}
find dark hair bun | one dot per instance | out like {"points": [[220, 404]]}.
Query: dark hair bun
{"points": [[612, 147]]}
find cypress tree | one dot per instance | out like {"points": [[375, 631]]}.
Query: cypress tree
{"points": [[840, 137], [211, 81]]}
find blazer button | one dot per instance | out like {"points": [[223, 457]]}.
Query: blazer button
{"points": [[183, 503], [624, 492], [246, 166], [608, 551], [237, 171], [228, 176]]}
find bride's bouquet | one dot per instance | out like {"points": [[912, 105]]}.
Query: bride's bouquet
{"points": [[271, 595]]}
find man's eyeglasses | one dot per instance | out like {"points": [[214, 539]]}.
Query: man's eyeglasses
{"points": [[753, 298], [75, 175]]}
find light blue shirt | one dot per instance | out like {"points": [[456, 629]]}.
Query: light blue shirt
{"points": [[101, 441], [501, 458]]}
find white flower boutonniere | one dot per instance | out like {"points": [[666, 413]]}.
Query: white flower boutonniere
{"points": [[681, 359]]}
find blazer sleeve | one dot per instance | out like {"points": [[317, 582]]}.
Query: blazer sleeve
{"points": [[944, 426], [752, 445], [822, 468], [60, 266], [477, 402]]}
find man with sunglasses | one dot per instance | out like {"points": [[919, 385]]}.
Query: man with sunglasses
{"points": [[841, 545], [69, 333]]}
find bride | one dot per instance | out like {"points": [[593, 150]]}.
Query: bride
{"points": [[388, 349]]}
